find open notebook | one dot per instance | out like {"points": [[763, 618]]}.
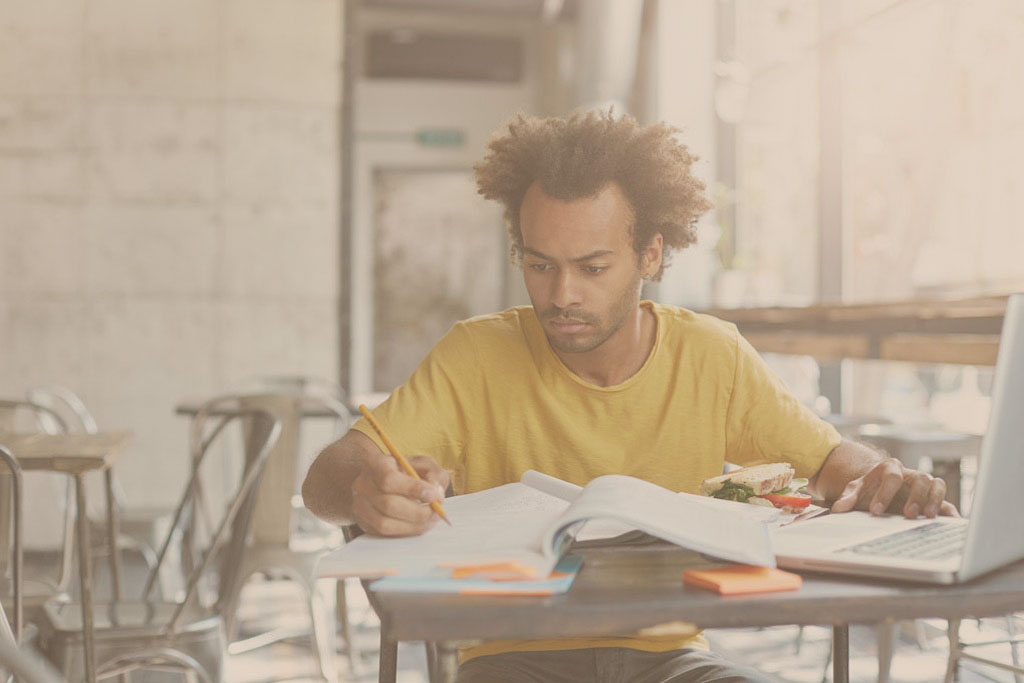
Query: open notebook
{"points": [[521, 530]]}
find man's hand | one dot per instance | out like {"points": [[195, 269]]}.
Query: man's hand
{"points": [[891, 485], [388, 502]]}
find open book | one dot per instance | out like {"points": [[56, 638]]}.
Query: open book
{"points": [[521, 530]]}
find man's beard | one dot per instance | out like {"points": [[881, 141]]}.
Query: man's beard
{"points": [[599, 331]]}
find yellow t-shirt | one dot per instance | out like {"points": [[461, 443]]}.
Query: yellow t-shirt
{"points": [[492, 400]]}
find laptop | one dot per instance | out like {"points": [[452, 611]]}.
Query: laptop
{"points": [[943, 550]]}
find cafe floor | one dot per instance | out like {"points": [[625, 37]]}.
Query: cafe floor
{"points": [[773, 650]]}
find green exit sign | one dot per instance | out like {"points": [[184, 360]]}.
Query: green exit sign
{"points": [[440, 137]]}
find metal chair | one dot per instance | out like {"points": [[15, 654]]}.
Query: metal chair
{"points": [[24, 665], [957, 649], [185, 636], [140, 529], [38, 590], [17, 552], [276, 547]]}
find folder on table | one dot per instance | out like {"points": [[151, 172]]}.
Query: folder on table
{"points": [[480, 584]]}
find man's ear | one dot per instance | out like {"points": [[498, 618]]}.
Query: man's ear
{"points": [[650, 257]]}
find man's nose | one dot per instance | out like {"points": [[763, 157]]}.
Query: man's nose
{"points": [[566, 294]]}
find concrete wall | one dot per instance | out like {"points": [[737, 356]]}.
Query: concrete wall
{"points": [[169, 183]]}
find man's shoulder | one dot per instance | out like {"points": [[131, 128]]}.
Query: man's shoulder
{"points": [[503, 327], [694, 326]]}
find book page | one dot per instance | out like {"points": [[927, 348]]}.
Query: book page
{"points": [[551, 485], [683, 519], [503, 524], [608, 529]]}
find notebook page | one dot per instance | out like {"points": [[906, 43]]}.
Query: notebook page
{"points": [[551, 485], [503, 524]]}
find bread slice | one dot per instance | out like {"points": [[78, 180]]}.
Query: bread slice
{"points": [[760, 478]]}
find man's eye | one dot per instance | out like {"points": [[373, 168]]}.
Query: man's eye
{"points": [[594, 270], [540, 267]]}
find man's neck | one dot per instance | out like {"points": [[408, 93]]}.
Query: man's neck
{"points": [[621, 356]]}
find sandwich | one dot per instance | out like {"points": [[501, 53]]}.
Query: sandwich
{"points": [[769, 485]]}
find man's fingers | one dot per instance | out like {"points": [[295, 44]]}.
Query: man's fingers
{"points": [[918, 497], [890, 481], [936, 495], [848, 500], [387, 501], [389, 523], [429, 470], [391, 479], [947, 509]]}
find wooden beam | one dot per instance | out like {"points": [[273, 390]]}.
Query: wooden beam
{"points": [[966, 349], [825, 346]]}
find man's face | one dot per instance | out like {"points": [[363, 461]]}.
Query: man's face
{"points": [[581, 270]]}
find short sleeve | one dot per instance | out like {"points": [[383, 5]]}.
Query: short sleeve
{"points": [[766, 423], [426, 414]]}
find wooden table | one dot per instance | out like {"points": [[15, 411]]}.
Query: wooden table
{"points": [[624, 590], [76, 455], [923, 331]]}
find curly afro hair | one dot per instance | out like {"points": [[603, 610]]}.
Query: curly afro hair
{"points": [[575, 157]]}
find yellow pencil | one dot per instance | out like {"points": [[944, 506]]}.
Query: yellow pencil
{"points": [[435, 506]]}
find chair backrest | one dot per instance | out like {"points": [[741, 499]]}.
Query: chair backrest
{"points": [[272, 520], [67, 404], [17, 554], [78, 419], [263, 430], [14, 413]]}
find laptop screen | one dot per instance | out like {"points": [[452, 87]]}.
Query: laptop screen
{"points": [[993, 538]]}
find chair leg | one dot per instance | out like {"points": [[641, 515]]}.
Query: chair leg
{"points": [[322, 634], [229, 609], [953, 663], [826, 672], [1011, 630], [341, 614]]}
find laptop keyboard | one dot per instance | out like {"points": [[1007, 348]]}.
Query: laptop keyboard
{"points": [[935, 541]]}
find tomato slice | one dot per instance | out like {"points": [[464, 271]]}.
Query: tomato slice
{"points": [[789, 500]]}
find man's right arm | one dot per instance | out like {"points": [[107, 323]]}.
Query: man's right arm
{"points": [[353, 480]]}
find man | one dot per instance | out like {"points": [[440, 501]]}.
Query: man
{"points": [[590, 380]]}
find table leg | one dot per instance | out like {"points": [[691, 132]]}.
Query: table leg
{"points": [[113, 531], [388, 666], [85, 578], [447, 662], [840, 653]]}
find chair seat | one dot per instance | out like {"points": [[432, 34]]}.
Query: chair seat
{"points": [[127, 620]]}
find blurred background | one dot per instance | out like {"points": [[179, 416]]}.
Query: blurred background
{"points": [[199, 191]]}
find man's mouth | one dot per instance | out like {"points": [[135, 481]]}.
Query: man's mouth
{"points": [[563, 325]]}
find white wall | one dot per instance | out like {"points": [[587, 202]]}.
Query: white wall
{"points": [[169, 182]]}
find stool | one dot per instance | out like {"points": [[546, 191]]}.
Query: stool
{"points": [[946, 450]]}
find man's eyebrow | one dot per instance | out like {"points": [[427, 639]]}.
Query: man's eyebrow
{"points": [[578, 259]]}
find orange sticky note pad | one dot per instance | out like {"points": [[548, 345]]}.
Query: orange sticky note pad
{"points": [[742, 578]]}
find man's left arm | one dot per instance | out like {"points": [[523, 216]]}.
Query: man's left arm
{"points": [[856, 477]]}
